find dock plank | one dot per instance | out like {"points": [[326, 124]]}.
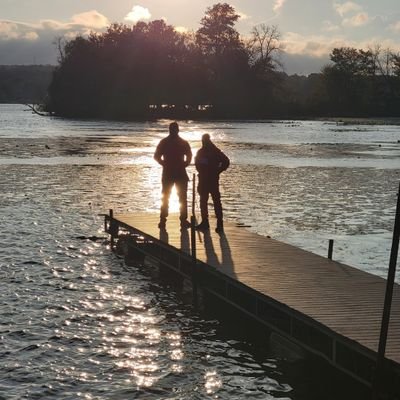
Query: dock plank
{"points": [[342, 298]]}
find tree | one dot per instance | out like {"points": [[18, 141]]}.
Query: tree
{"points": [[217, 34], [361, 82], [135, 71], [225, 60], [24, 83], [353, 62], [396, 64], [384, 60], [121, 72], [60, 42], [265, 47]]}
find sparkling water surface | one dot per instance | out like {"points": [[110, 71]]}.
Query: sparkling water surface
{"points": [[77, 323]]}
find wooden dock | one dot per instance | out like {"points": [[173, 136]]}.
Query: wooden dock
{"points": [[328, 308]]}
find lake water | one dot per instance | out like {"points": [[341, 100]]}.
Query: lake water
{"points": [[77, 323]]}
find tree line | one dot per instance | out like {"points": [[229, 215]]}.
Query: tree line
{"points": [[361, 82], [24, 83], [149, 70]]}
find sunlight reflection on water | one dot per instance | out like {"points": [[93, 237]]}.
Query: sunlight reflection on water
{"points": [[77, 323]]}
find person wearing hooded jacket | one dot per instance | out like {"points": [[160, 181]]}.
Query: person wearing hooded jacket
{"points": [[210, 161]]}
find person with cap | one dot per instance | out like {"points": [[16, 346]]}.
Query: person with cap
{"points": [[174, 154], [210, 161]]}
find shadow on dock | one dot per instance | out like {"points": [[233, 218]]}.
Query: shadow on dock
{"points": [[221, 247], [329, 310]]}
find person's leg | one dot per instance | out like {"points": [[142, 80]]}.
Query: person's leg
{"points": [[204, 193], [165, 194], [181, 188], [216, 197]]}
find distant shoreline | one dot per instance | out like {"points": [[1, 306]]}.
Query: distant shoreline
{"points": [[361, 120], [338, 120]]}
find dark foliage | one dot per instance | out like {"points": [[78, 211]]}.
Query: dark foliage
{"points": [[362, 83], [24, 84], [149, 70], [128, 72]]}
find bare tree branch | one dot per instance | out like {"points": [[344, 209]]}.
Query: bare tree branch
{"points": [[33, 108], [265, 47], [59, 42]]}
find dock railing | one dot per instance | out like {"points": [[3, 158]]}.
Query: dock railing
{"points": [[193, 242], [380, 363]]}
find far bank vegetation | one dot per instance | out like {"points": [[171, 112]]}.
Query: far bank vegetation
{"points": [[150, 70]]}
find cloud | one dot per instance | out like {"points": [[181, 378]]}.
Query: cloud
{"points": [[357, 20], [181, 29], [87, 20], [242, 15], [302, 64], [313, 45], [81, 23], [31, 36], [51, 25], [320, 46], [90, 19], [10, 30], [138, 13], [278, 5], [352, 14], [345, 8], [395, 27], [328, 26], [25, 43]]}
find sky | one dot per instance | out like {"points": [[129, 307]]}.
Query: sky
{"points": [[310, 29]]}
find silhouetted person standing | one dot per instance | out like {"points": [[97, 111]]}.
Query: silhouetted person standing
{"points": [[174, 154], [210, 161]]}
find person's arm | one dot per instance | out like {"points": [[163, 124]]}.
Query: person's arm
{"points": [[199, 161], [158, 154], [224, 162], [188, 154]]}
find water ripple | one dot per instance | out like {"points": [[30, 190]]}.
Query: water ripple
{"points": [[78, 323]]}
